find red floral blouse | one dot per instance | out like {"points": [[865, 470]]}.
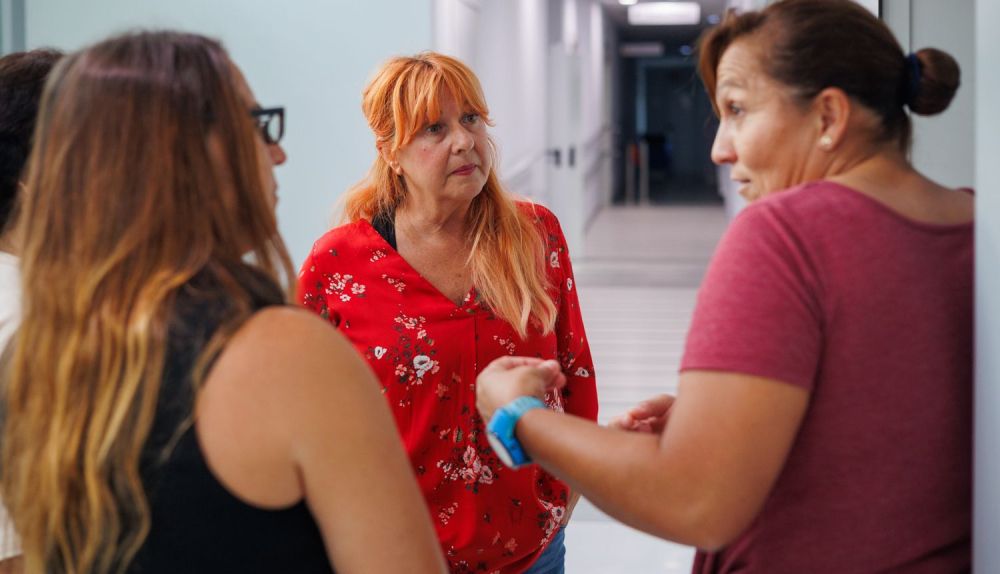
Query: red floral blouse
{"points": [[426, 352]]}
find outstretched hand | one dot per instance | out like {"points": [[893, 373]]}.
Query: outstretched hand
{"points": [[507, 378], [649, 416]]}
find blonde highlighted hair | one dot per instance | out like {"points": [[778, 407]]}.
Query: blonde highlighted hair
{"points": [[507, 248], [123, 206]]}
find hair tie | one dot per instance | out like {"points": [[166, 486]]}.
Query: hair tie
{"points": [[911, 73]]}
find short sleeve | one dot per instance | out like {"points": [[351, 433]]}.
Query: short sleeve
{"points": [[758, 310]]}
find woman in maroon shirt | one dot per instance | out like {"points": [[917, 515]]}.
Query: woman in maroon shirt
{"points": [[438, 272], [823, 420]]}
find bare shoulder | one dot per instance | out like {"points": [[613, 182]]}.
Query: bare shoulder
{"points": [[286, 329], [275, 391], [284, 348]]}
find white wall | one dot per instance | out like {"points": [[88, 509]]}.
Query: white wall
{"points": [[595, 141], [505, 43], [508, 44], [948, 26], [11, 26], [870, 4], [511, 64], [311, 56], [455, 23], [944, 146], [579, 115], [987, 415]]}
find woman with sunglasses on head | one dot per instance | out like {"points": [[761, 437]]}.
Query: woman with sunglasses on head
{"points": [[823, 421], [439, 271], [165, 410]]}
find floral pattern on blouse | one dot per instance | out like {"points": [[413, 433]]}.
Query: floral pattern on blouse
{"points": [[426, 352]]}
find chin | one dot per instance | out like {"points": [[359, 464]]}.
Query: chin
{"points": [[472, 192], [752, 193]]}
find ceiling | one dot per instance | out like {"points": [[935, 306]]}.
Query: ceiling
{"points": [[670, 35]]}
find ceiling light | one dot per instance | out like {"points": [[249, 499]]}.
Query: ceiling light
{"points": [[665, 14], [627, 2]]}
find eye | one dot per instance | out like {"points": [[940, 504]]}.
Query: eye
{"points": [[433, 129], [733, 109], [470, 119]]}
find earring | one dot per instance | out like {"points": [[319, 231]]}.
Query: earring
{"points": [[826, 142]]}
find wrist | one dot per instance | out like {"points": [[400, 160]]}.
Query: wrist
{"points": [[500, 431]]}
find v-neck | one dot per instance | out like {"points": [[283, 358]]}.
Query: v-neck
{"points": [[471, 296]]}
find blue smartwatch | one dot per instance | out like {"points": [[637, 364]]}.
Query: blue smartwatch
{"points": [[500, 430]]}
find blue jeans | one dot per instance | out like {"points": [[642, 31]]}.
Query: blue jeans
{"points": [[553, 560]]}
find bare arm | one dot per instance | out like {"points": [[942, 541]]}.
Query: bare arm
{"points": [[701, 482], [290, 396]]}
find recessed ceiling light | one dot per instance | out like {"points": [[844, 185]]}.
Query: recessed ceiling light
{"points": [[665, 14], [627, 2]]}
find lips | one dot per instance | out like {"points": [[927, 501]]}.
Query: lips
{"points": [[465, 169]]}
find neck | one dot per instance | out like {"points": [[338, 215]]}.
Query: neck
{"points": [[433, 217], [884, 169]]}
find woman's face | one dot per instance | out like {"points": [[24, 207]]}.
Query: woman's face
{"points": [[449, 159], [769, 138], [270, 155]]}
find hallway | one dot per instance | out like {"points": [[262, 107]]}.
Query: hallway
{"points": [[638, 279]]}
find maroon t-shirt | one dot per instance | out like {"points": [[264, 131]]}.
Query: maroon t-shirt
{"points": [[824, 288]]}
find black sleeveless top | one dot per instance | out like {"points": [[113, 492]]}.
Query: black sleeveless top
{"points": [[198, 526], [385, 224]]}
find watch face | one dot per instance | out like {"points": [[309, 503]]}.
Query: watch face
{"points": [[500, 449]]}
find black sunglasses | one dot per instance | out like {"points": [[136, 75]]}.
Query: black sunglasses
{"points": [[270, 122]]}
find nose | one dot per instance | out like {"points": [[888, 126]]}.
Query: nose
{"points": [[722, 148], [462, 140], [278, 155]]}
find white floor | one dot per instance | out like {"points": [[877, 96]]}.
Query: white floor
{"points": [[637, 280]]}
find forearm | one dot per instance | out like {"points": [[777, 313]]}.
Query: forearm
{"points": [[624, 474]]}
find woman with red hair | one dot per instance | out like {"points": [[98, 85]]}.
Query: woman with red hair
{"points": [[437, 272]]}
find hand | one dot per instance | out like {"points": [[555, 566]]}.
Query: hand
{"points": [[649, 416], [507, 378]]}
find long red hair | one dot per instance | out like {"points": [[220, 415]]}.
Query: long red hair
{"points": [[507, 256]]}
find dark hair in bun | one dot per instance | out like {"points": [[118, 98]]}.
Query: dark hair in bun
{"points": [[936, 83], [811, 45]]}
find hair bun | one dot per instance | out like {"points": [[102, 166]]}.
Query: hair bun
{"points": [[938, 78]]}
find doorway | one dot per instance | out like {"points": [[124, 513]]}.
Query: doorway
{"points": [[668, 130]]}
